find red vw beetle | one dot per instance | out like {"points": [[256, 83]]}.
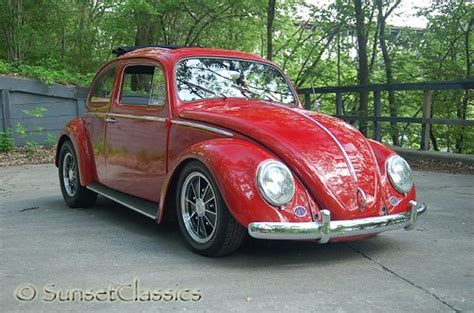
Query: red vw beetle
{"points": [[219, 139]]}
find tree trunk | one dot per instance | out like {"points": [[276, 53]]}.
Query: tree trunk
{"points": [[388, 71], [462, 110], [13, 36], [433, 140], [80, 36], [143, 37], [363, 73], [270, 18]]}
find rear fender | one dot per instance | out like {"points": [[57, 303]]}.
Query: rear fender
{"points": [[76, 132], [234, 163]]}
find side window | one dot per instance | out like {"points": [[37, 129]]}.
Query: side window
{"points": [[102, 88], [143, 85]]}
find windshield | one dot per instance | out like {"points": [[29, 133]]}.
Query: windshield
{"points": [[204, 78]]}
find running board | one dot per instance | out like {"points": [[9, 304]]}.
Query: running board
{"points": [[147, 208]]}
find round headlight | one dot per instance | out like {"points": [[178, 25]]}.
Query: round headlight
{"points": [[400, 174], [275, 182]]}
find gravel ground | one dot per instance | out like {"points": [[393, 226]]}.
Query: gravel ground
{"points": [[24, 156]]}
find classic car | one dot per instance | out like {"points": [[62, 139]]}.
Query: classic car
{"points": [[219, 140]]}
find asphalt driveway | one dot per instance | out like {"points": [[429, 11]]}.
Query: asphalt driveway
{"points": [[53, 256]]}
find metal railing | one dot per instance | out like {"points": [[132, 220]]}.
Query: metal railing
{"points": [[426, 120]]}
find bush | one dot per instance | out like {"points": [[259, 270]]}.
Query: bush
{"points": [[6, 140], [46, 72]]}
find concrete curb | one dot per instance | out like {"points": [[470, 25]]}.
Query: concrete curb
{"points": [[411, 154]]}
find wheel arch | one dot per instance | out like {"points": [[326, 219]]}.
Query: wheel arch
{"points": [[75, 133], [233, 164]]}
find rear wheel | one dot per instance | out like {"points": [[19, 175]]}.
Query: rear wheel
{"points": [[75, 195], [203, 217]]}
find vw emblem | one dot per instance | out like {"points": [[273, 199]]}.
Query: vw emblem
{"points": [[394, 201], [300, 211]]}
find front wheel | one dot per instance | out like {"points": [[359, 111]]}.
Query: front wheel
{"points": [[75, 195], [203, 217]]}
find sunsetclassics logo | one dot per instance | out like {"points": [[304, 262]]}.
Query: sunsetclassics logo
{"points": [[128, 292]]}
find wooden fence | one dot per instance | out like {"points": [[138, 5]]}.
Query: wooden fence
{"points": [[58, 104], [62, 103], [426, 120]]}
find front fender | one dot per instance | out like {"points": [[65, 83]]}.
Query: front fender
{"points": [[233, 163], [398, 202], [76, 132]]}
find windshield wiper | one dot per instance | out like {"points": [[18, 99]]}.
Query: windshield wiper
{"points": [[189, 84], [245, 90]]}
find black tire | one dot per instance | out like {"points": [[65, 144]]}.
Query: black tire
{"points": [[75, 195], [227, 235]]}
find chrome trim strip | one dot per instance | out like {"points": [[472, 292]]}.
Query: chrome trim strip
{"points": [[121, 202], [327, 229], [201, 126], [338, 143], [138, 117], [98, 114], [131, 116]]}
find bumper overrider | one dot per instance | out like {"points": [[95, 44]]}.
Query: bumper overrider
{"points": [[327, 229]]}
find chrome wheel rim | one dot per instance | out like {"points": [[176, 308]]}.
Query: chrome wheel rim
{"points": [[69, 174], [199, 207]]}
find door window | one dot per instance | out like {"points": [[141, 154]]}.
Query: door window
{"points": [[143, 85], [102, 89]]}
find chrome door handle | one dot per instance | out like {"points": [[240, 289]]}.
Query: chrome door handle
{"points": [[110, 120]]}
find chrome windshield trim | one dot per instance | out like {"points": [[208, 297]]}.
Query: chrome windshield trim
{"points": [[201, 126], [264, 62], [327, 229]]}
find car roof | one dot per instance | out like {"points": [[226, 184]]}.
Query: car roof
{"points": [[176, 53]]}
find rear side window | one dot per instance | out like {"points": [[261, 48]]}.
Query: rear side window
{"points": [[143, 85], [102, 88]]}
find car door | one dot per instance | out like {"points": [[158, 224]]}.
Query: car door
{"points": [[136, 132], [98, 105]]}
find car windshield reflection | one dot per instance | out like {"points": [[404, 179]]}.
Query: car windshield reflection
{"points": [[205, 78]]}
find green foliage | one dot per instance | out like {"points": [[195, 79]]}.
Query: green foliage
{"points": [[67, 41], [21, 130], [31, 147], [51, 139], [36, 112], [46, 74], [6, 140]]}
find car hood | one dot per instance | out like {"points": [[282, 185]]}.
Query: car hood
{"points": [[333, 160]]}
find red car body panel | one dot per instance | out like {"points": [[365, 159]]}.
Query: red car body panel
{"points": [[233, 163], [330, 159], [75, 131], [330, 156]]}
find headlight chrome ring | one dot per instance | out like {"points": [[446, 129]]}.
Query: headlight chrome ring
{"points": [[275, 182], [399, 173]]}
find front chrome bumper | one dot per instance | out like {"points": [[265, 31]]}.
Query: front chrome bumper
{"points": [[327, 229]]}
